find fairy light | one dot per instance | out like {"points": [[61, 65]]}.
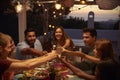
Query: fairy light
{"points": [[18, 7], [57, 6], [45, 33], [82, 1]]}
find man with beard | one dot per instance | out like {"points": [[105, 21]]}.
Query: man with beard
{"points": [[30, 47]]}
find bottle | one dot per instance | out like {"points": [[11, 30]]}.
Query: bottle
{"points": [[52, 71]]}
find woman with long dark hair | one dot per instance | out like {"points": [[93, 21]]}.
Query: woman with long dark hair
{"points": [[61, 38]]}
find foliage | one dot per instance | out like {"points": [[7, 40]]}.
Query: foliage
{"points": [[71, 23], [36, 21], [117, 25], [107, 25]]}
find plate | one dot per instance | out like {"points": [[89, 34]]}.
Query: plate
{"points": [[41, 74], [29, 73]]}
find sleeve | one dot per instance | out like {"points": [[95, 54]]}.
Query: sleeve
{"points": [[22, 45], [4, 65], [19, 47], [38, 45]]}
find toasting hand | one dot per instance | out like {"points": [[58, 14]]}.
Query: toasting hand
{"points": [[44, 52], [60, 50]]}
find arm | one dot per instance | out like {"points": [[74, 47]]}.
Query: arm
{"points": [[24, 49], [67, 43], [12, 60], [32, 63], [32, 51], [81, 54], [92, 58], [78, 72]]}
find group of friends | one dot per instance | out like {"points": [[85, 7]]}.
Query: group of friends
{"points": [[97, 64]]}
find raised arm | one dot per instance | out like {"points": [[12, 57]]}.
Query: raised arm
{"points": [[92, 58], [32, 51], [81, 54], [32, 63], [67, 43], [12, 59]]}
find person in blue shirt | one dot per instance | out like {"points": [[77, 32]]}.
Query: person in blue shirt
{"points": [[30, 47]]}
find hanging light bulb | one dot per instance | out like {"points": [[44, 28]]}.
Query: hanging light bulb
{"points": [[82, 1], [57, 6], [18, 7], [45, 33], [53, 26], [49, 26]]}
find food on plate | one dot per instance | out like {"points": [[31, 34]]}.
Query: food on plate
{"points": [[29, 73], [41, 74], [61, 69], [37, 73]]}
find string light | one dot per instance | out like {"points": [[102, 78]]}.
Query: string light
{"points": [[82, 1], [58, 6], [54, 16], [53, 12], [18, 7], [53, 26], [45, 33], [60, 14], [50, 26]]}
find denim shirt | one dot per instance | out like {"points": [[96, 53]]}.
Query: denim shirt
{"points": [[24, 44]]}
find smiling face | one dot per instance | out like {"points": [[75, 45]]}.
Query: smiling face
{"points": [[30, 38], [58, 33]]}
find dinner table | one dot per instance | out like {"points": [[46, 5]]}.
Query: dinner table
{"points": [[53, 70]]}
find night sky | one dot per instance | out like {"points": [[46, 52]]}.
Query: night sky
{"points": [[8, 20]]}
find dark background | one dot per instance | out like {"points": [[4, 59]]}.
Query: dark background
{"points": [[8, 20]]}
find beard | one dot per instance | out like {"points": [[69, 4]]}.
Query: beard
{"points": [[31, 42]]}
